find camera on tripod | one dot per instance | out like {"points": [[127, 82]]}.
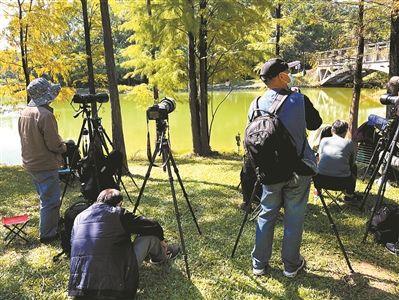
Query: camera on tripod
{"points": [[388, 99], [161, 110], [90, 98]]}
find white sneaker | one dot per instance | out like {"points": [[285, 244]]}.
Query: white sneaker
{"points": [[259, 272], [293, 274]]}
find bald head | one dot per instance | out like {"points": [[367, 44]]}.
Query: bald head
{"points": [[393, 86], [110, 196]]}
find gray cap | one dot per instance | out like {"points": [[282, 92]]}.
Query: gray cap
{"points": [[42, 92]]}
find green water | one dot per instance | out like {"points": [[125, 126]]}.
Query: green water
{"points": [[332, 103]]}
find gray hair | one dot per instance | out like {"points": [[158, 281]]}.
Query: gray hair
{"points": [[110, 196]]}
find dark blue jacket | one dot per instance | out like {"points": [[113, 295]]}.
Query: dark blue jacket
{"points": [[103, 262]]}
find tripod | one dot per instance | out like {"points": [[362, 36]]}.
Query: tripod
{"points": [[381, 146], [384, 176], [249, 204], [162, 147], [96, 135], [253, 195]]}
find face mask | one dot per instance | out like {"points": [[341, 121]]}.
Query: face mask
{"points": [[290, 84], [286, 79]]}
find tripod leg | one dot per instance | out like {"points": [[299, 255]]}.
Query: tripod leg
{"points": [[256, 186], [334, 229], [147, 175], [375, 153], [183, 246], [127, 194], [176, 170], [384, 179], [130, 176], [371, 181], [74, 156]]}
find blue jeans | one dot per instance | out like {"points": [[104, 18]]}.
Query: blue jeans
{"points": [[48, 188], [293, 196]]}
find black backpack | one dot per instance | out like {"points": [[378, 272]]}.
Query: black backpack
{"points": [[385, 224], [97, 171], [269, 145], [66, 224]]}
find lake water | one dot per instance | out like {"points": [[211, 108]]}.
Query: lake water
{"points": [[332, 103]]}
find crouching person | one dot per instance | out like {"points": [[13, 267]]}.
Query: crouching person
{"points": [[104, 261]]}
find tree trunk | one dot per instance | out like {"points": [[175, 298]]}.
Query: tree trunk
{"points": [[278, 29], [117, 130], [193, 95], [23, 36], [155, 90], [393, 48], [357, 80], [89, 58], [203, 77]]}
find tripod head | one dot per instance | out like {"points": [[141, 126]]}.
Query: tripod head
{"points": [[161, 126], [84, 109]]}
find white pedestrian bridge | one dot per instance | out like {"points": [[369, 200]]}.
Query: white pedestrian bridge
{"points": [[336, 67]]}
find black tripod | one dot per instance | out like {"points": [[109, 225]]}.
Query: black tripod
{"points": [[162, 147], [381, 147], [247, 212], [253, 195], [96, 133], [384, 176]]}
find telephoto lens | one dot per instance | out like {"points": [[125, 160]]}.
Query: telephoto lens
{"points": [[388, 99], [377, 121], [167, 104], [161, 110], [90, 98]]}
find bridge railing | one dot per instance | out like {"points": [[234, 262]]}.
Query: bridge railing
{"points": [[373, 52]]}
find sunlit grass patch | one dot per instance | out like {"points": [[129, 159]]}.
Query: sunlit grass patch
{"points": [[28, 272]]}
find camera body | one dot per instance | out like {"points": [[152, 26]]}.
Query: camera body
{"points": [[388, 99], [90, 98], [161, 110]]}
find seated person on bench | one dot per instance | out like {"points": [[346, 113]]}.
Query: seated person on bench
{"points": [[336, 168]]}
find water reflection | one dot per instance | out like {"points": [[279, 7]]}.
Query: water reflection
{"points": [[332, 103]]}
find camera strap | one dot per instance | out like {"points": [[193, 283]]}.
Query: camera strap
{"points": [[148, 143], [149, 152]]}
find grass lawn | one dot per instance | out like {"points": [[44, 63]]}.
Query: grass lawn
{"points": [[27, 271]]}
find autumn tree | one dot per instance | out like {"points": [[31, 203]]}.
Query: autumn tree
{"points": [[35, 48], [198, 43]]}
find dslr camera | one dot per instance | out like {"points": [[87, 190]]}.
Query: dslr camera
{"points": [[90, 98], [161, 110], [388, 99]]}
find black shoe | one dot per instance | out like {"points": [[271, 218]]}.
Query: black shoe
{"points": [[353, 198], [48, 240], [393, 248], [171, 253]]}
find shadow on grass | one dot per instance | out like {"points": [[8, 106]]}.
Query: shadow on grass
{"points": [[218, 158], [166, 281]]}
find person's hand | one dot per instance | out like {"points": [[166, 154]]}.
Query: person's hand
{"points": [[164, 247]]}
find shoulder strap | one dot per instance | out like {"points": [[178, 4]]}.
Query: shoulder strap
{"points": [[277, 103], [255, 110]]}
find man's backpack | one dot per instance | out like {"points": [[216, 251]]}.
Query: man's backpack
{"points": [[385, 224], [269, 145], [66, 224]]}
